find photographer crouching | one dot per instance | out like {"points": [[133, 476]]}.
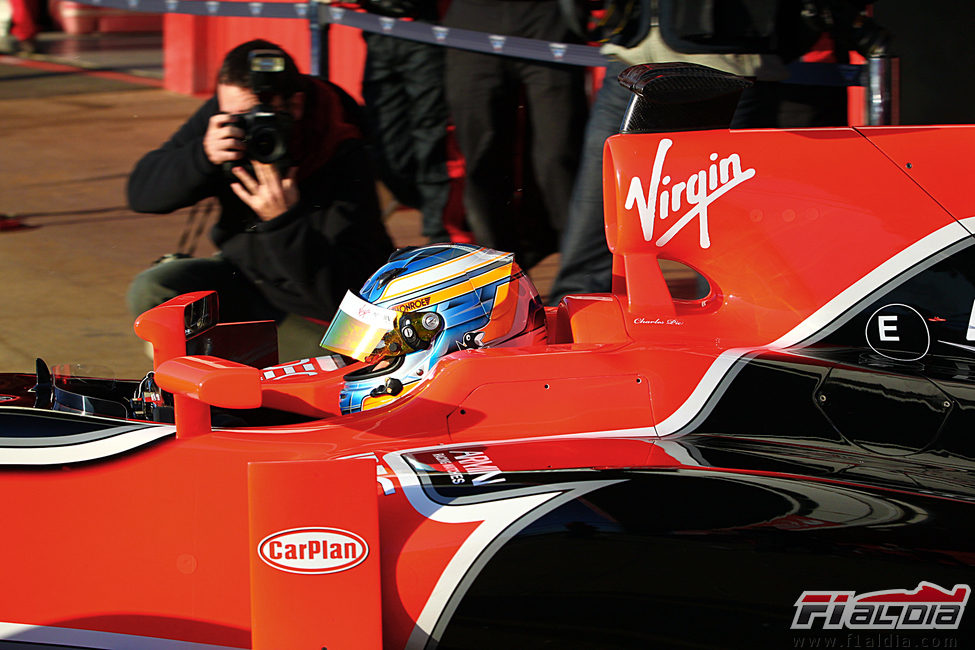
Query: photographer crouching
{"points": [[299, 220]]}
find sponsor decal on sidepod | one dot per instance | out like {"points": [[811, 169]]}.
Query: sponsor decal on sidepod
{"points": [[684, 200], [313, 550]]}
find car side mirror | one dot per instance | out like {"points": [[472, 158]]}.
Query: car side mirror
{"points": [[169, 326]]}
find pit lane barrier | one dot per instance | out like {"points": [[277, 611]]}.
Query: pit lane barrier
{"points": [[878, 76]]}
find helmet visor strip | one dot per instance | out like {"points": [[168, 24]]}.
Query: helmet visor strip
{"points": [[359, 328]]}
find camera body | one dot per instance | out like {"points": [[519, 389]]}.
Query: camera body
{"points": [[266, 131], [266, 134]]}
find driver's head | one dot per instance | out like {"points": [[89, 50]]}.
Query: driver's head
{"points": [[423, 304]]}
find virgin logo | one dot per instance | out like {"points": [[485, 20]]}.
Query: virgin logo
{"points": [[313, 550], [692, 196]]}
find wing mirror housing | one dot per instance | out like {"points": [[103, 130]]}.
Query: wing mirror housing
{"points": [[169, 326]]}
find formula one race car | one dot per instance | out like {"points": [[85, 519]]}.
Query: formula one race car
{"points": [[783, 457]]}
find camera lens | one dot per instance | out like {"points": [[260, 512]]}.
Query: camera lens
{"points": [[266, 134], [265, 145]]}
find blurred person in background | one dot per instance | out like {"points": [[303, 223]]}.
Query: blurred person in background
{"points": [[406, 114], [484, 94], [23, 25], [7, 43]]}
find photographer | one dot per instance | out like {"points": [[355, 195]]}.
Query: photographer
{"points": [[299, 220]]}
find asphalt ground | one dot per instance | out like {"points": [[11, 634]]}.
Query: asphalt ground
{"points": [[73, 121]]}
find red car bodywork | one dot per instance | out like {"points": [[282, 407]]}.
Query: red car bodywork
{"points": [[318, 534]]}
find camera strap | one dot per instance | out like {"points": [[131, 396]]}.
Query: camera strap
{"points": [[196, 222]]}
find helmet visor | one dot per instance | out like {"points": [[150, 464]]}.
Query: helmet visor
{"points": [[361, 330]]}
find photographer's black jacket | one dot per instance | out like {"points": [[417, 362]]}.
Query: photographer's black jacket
{"points": [[304, 260]]}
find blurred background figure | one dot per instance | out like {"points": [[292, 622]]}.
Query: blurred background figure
{"points": [[24, 19], [7, 44], [406, 116], [484, 92]]}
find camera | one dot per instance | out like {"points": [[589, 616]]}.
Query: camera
{"points": [[266, 131], [266, 134]]}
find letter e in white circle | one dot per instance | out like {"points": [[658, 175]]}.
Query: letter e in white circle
{"points": [[888, 328]]}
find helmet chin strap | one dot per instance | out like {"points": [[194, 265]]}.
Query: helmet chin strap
{"points": [[391, 387]]}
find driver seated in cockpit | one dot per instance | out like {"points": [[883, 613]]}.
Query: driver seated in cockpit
{"points": [[426, 303]]}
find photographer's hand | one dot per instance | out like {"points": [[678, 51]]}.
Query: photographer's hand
{"points": [[268, 195], [223, 141]]}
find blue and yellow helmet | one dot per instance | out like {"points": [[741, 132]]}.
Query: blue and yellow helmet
{"points": [[423, 304]]}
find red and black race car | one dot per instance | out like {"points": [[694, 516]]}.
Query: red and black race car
{"points": [[783, 459]]}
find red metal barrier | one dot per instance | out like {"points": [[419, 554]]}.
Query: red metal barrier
{"points": [[194, 46]]}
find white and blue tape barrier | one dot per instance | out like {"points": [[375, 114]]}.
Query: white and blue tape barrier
{"points": [[320, 13], [305, 10], [465, 39]]}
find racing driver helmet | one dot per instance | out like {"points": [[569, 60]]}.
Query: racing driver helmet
{"points": [[423, 304]]}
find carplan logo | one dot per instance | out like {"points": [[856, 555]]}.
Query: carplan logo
{"points": [[684, 199], [929, 607], [313, 550]]}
